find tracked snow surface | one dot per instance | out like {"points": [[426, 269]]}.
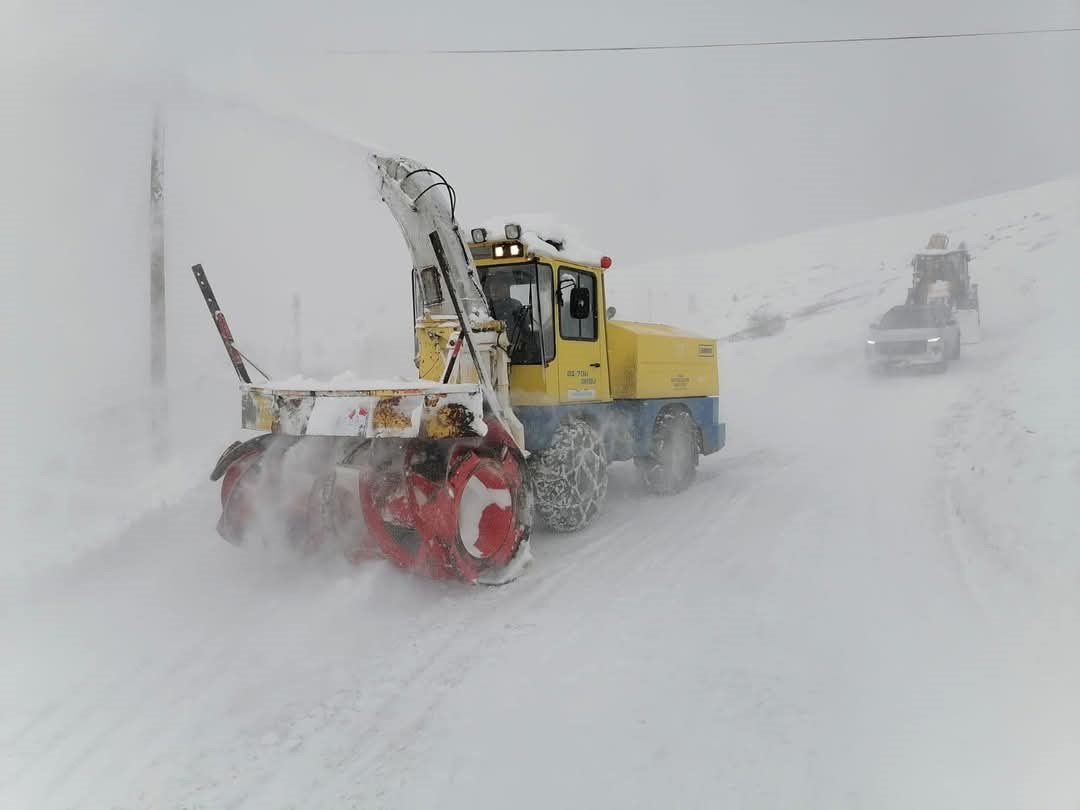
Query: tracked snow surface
{"points": [[869, 599]]}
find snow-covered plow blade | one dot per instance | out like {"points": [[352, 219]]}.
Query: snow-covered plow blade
{"points": [[415, 475], [969, 316], [970, 325]]}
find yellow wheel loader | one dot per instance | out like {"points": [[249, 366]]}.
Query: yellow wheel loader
{"points": [[940, 277]]}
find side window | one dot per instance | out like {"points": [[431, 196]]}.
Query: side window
{"points": [[576, 328], [417, 297], [417, 311]]}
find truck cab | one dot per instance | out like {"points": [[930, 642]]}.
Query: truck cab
{"points": [[555, 315]]}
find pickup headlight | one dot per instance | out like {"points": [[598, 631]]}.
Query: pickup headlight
{"points": [[933, 340]]}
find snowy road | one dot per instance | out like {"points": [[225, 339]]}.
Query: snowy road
{"points": [[824, 620]]}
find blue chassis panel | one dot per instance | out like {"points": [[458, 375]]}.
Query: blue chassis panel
{"points": [[625, 424]]}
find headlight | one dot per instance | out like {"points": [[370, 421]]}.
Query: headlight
{"points": [[479, 235], [513, 231], [500, 251], [870, 342], [933, 340]]}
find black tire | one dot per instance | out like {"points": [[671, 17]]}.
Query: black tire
{"points": [[570, 478], [672, 465]]}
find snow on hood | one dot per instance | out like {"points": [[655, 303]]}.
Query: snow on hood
{"points": [[536, 229]]}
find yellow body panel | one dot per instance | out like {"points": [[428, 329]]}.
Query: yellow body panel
{"points": [[534, 385], [651, 361], [434, 344]]}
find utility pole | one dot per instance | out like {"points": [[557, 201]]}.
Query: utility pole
{"points": [[297, 354], [159, 415]]}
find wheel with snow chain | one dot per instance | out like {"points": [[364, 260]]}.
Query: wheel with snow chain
{"points": [[570, 478], [672, 465]]}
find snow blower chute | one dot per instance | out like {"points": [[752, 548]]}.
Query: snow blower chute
{"points": [[430, 475]]}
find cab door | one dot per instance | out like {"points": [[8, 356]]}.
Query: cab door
{"points": [[582, 345]]}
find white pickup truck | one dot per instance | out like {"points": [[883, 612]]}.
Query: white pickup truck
{"points": [[911, 336]]}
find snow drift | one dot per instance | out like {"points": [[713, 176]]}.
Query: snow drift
{"points": [[868, 599]]}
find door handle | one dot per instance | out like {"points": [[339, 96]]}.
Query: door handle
{"points": [[594, 365]]}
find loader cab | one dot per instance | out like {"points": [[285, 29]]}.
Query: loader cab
{"points": [[951, 266], [554, 313]]}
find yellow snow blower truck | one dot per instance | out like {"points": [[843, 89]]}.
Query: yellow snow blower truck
{"points": [[526, 391]]}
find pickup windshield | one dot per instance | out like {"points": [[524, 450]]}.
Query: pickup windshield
{"points": [[912, 318], [932, 267]]}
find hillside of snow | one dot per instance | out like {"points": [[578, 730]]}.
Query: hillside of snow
{"points": [[869, 598], [1013, 440]]}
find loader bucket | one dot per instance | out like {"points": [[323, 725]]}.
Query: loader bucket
{"points": [[970, 325]]}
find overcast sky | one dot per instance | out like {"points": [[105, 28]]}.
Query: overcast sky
{"points": [[651, 152]]}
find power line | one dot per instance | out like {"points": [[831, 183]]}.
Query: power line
{"points": [[706, 46]]}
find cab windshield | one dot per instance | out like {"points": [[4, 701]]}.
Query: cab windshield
{"points": [[948, 267], [521, 297], [912, 317]]}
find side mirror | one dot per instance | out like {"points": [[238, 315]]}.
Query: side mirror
{"points": [[610, 312], [580, 303]]}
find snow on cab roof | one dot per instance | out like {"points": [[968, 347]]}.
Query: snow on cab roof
{"points": [[538, 231]]}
